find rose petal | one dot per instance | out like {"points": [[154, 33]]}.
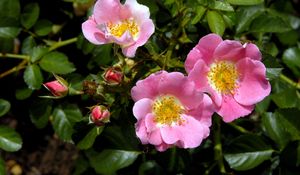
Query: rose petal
{"points": [[229, 50], [141, 132], [253, 86], [140, 12], [92, 33], [142, 107], [107, 11], [252, 51]]}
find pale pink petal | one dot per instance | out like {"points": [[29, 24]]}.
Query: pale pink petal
{"points": [[142, 107], [147, 88], [253, 86], [231, 110], [107, 11], [149, 123], [154, 137], [207, 46], [229, 50], [194, 56], [146, 30], [124, 40], [176, 84], [188, 135], [162, 147], [139, 12], [141, 132], [252, 51], [199, 76], [92, 33]]}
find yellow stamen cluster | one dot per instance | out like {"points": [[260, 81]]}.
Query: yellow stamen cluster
{"points": [[223, 77], [167, 110], [118, 29]]}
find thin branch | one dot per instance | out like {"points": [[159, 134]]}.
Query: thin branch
{"points": [[20, 66]]}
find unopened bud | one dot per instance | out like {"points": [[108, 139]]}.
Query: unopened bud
{"points": [[99, 115], [58, 87], [113, 76]]}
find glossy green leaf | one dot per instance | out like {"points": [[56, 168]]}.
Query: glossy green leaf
{"points": [[4, 107], [7, 45], [27, 45], [245, 2], [9, 32], [37, 53], [199, 10], [81, 165], [109, 161], [247, 152], [56, 62], [215, 22], [290, 121], [10, 140], [287, 98], [43, 27], [23, 93], [291, 57], [245, 16], [33, 76], [9, 12], [275, 129], [40, 112], [89, 139], [263, 106], [64, 119], [268, 23], [30, 15], [2, 166], [289, 38], [222, 5], [273, 73]]}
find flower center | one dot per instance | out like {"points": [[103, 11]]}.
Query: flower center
{"points": [[223, 77], [118, 29], [167, 110]]}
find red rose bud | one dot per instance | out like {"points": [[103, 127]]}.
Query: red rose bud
{"points": [[58, 87], [99, 115], [113, 76]]}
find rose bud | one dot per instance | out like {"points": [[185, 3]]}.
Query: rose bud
{"points": [[99, 115], [58, 87], [113, 76]]}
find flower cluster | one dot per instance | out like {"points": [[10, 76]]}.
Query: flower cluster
{"points": [[172, 109]]}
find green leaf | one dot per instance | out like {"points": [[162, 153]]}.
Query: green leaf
{"points": [[27, 45], [269, 23], [33, 76], [290, 121], [109, 161], [247, 152], [223, 6], [245, 16], [263, 106], [89, 139], [9, 12], [199, 11], [2, 166], [56, 62], [9, 32], [287, 98], [275, 129], [291, 57], [273, 73], [4, 107], [63, 120], [40, 111], [81, 165], [215, 22], [245, 2], [37, 53], [23, 93], [10, 140], [7, 45], [42, 27], [30, 15]]}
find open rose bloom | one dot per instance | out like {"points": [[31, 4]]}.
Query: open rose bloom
{"points": [[170, 111], [112, 22], [230, 72]]}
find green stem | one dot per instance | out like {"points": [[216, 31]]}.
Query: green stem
{"points": [[10, 55], [62, 43], [289, 81], [239, 128], [172, 159], [218, 145]]}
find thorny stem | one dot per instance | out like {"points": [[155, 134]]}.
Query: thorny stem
{"points": [[62, 43], [218, 145], [289, 81], [10, 55], [20, 66]]}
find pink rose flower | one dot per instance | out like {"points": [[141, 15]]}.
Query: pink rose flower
{"points": [[230, 72], [113, 76], [99, 115], [128, 25], [170, 111], [57, 88]]}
